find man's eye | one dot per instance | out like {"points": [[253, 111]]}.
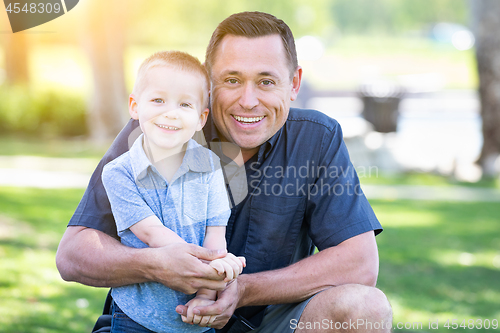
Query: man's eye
{"points": [[267, 82], [158, 100], [232, 81]]}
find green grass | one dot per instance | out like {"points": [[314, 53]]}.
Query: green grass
{"points": [[34, 297], [421, 178], [438, 260]]}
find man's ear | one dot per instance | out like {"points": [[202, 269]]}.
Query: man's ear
{"points": [[132, 107], [296, 80], [203, 119]]}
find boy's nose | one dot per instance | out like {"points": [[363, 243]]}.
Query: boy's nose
{"points": [[172, 113]]}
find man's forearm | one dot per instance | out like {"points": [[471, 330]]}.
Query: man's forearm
{"points": [[353, 261], [94, 258]]}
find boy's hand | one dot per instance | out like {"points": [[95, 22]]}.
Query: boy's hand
{"points": [[191, 318], [230, 264]]}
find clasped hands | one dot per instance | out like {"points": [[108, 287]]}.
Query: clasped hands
{"points": [[230, 266]]}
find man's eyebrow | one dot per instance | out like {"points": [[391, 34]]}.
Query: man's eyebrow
{"points": [[265, 73], [268, 74]]}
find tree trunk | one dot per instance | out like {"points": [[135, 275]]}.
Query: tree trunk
{"points": [[486, 15], [105, 47], [16, 58]]}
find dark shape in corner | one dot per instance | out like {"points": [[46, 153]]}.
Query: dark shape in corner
{"points": [[27, 14], [70, 4]]}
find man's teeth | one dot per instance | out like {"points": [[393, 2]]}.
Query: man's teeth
{"points": [[248, 120], [167, 127]]}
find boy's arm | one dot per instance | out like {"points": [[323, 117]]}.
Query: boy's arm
{"points": [[215, 239], [230, 265], [154, 234]]}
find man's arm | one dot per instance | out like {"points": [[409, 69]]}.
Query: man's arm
{"points": [[353, 261], [91, 257]]}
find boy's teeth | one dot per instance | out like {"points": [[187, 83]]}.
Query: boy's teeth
{"points": [[248, 120], [167, 127]]}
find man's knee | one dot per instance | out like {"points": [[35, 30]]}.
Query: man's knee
{"points": [[358, 300], [352, 302]]}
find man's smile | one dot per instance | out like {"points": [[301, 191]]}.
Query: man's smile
{"points": [[247, 120]]}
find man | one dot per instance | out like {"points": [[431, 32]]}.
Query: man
{"points": [[302, 192]]}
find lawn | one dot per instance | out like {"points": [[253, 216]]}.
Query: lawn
{"points": [[34, 297], [438, 261]]}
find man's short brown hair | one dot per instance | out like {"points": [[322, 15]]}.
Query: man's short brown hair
{"points": [[177, 59], [251, 25]]}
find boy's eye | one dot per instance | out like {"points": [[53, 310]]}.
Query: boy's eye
{"points": [[185, 105], [158, 100]]}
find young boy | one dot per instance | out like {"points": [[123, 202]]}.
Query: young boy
{"points": [[168, 189]]}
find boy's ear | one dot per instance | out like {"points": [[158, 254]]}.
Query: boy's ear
{"points": [[132, 107], [203, 119]]}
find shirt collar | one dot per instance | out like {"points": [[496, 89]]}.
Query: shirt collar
{"points": [[196, 159]]}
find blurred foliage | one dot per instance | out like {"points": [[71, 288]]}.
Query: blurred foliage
{"points": [[173, 23], [395, 16], [48, 113], [176, 23]]}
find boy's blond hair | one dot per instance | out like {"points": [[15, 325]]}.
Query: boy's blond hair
{"points": [[177, 59]]}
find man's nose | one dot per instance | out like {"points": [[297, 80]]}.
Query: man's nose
{"points": [[248, 99]]}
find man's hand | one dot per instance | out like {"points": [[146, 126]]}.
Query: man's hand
{"points": [[181, 267], [222, 309]]}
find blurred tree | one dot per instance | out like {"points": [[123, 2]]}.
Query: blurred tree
{"points": [[175, 24], [105, 45], [164, 24], [486, 25], [394, 16], [15, 47], [16, 59]]}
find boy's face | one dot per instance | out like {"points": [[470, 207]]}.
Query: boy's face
{"points": [[169, 107]]}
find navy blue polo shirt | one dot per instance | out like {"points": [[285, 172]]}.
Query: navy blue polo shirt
{"points": [[303, 192]]}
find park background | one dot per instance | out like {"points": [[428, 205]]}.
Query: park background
{"points": [[63, 93]]}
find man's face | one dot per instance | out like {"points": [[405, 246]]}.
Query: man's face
{"points": [[251, 89]]}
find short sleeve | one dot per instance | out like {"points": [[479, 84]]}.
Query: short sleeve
{"points": [[338, 209], [218, 210], [127, 204], [94, 210]]}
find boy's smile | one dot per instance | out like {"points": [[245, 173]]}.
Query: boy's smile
{"points": [[169, 108]]}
